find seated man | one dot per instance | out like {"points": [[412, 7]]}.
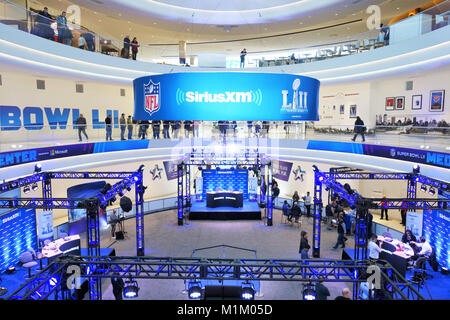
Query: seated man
{"points": [[286, 208], [425, 249], [295, 212]]}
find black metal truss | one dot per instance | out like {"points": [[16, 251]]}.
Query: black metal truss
{"points": [[129, 267]]}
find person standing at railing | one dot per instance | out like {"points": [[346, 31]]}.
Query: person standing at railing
{"points": [[89, 37], [130, 127], [134, 48], [176, 125], [81, 125], [166, 126], [108, 123], [126, 47], [359, 129], [156, 127], [249, 126], [384, 34], [62, 27], [187, 128], [81, 42], [43, 21], [196, 125], [123, 126], [243, 54]]}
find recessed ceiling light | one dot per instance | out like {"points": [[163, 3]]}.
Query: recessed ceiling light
{"points": [[187, 29], [95, 12], [337, 14], [300, 23], [154, 22]]}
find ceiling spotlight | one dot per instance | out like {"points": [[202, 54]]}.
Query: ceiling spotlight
{"points": [[34, 186], [416, 169], [432, 191], [26, 189], [423, 188], [194, 289], [247, 291], [309, 292], [38, 168], [131, 289]]}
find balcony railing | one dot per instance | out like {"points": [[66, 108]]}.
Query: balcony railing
{"points": [[435, 138]]}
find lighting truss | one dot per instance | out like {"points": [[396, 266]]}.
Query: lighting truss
{"points": [[314, 270]]}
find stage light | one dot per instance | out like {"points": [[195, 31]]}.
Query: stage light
{"points": [[131, 289], [121, 193], [194, 289], [135, 178], [309, 292], [129, 188], [38, 168], [432, 191], [141, 168], [247, 291], [26, 189], [416, 169], [106, 188], [34, 186], [53, 281], [315, 167], [321, 178], [423, 188]]}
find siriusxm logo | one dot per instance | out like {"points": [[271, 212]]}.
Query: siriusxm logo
{"points": [[219, 97]]}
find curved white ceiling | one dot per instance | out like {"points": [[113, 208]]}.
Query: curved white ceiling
{"points": [[225, 12]]}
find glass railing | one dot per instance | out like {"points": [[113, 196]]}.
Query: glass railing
{"points": [[54, 28], [429, 137]]}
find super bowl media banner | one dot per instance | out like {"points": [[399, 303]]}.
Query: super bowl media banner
{"points": [[226, 96]]}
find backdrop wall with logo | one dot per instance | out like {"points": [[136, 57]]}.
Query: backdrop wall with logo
{"points": [[226, 96], [17, 232]]}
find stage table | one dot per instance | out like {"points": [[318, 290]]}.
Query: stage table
{"points": [[216, 199], [396, 253], [66, 245]]}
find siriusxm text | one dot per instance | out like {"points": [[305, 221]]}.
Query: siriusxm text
{"points": [[226, 97]]}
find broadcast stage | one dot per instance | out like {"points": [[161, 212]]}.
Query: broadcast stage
{"points": [[249, 211]]}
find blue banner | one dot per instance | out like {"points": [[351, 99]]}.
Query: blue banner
{"points": [[226, 96]]}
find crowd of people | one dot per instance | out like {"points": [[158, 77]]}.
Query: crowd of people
{"points": [[412, 125], [175, 129]]}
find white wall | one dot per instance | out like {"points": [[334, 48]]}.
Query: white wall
{"points": [[369, 96], [21, 91]]}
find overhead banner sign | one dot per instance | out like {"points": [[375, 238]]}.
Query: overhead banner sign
{"points": [[281, 169], [226, 96]]}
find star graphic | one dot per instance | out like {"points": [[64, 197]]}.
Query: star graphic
{"points": [[298, 174]]}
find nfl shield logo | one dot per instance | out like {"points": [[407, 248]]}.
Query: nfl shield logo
{"points": [[152, 97], [393, 153]]}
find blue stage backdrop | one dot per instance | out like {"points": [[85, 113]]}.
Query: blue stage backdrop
{"points": [[17, 233], [225, 179], [77, 217], [436, 229], [226, 96]]}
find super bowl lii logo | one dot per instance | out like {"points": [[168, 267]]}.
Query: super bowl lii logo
{"points": [[299, 99]]}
